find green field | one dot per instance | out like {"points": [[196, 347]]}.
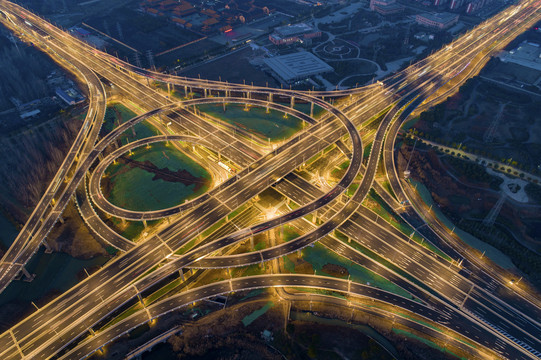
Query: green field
{"points": [[272, 125], [135, 188], [425, 341], [248, 319], [494, 254], [318, 256]]}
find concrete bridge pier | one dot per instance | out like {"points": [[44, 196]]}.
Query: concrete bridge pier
{"points": [[185, 90], [252, 242], [48, 248], [269, 101], [145, 223], [292, 102], [27, 276], [169, 89], [181, 275], [311, 110]]}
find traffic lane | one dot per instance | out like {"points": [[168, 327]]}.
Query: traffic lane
{"points": [[237, 285]]}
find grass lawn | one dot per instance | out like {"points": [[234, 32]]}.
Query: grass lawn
{"points": [[136, 188], [318, 256], [272, 125]]}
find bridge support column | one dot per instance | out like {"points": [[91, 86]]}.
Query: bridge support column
{"points": [[145, 223], [181, 272], [269, 101], [205, 92], [48, 248], [311, 110], [252, 242], [169, 89], [185, 91], [223, 104], [27, 276], [292, 102]]}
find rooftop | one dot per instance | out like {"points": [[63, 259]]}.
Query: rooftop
{"points": [[526, 54], [297, 66], [443, 17], [294, 29]]}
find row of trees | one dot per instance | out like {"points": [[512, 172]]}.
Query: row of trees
{"points": [[23, 75], [31, 158], [483, 153]]}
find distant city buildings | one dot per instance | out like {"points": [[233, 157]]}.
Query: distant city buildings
{"points": [[205, 17], [476, 5], [297, 66], [285, 35], [386, 7], [466, 6], [455, 4], [439, 21]]}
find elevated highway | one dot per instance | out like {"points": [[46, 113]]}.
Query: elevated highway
{"points": [[114, 285]]}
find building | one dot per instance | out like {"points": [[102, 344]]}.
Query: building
{"points": [[29, 114], [474, 6], [297, 66], [386, 7], [440, 21], [70, 96], [285, 35], [455, 4], [527, 54]]}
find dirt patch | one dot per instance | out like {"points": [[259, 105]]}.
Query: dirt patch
{"points": [[74, 238], [335, 270], [183, 176]]}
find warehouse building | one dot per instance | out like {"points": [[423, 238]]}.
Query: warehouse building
{"points": [[297, 66]]}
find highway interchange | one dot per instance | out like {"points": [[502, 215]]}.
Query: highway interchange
{"points": [[507, 324]]}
